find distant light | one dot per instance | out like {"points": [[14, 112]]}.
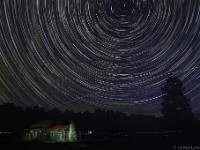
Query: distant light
{"points": [[5, 132], [90, 132]]}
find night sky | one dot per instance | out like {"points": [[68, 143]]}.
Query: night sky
{"points": [[86, 54]]}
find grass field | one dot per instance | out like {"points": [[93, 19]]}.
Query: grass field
{"points": [[109, 144]]}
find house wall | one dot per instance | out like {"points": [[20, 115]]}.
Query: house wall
{"points": [[30, 134], [59, 136]]}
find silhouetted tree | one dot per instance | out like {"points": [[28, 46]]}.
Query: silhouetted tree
{"points": [[175, 105], [55, 113]]}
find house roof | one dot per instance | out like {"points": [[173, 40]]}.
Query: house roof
{"points": [[59, 128], [42, 124]]}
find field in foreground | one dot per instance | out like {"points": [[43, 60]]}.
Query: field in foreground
{"points": [[114, 144]]}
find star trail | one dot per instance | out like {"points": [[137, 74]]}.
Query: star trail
{"points": [[86, 54]]}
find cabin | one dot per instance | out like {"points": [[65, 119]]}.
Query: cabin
{"points": [[50, 133], [60, 133]]}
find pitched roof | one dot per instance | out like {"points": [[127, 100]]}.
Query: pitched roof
{"points": [[42, 124], [59, 128]]}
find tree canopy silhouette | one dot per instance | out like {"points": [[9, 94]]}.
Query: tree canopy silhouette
{"points": [[175, 105]]}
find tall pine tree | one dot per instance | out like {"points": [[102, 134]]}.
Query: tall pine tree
{"points": [[175, 105]]}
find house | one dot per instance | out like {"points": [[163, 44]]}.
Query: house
{"points": [[51, 133], [60, 133]]}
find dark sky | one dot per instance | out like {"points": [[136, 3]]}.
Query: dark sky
{"points": [[84, 54]]}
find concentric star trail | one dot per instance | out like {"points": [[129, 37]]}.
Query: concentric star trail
{"points": [[84, 54]]}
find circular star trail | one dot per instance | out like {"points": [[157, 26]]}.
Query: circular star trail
{"points": [[84, 54]]}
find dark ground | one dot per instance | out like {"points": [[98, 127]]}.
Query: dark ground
{"points": [[151, 144], [139, 143]]}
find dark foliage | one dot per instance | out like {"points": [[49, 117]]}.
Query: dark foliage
{"points": [[16, 118], [176, 106]]}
